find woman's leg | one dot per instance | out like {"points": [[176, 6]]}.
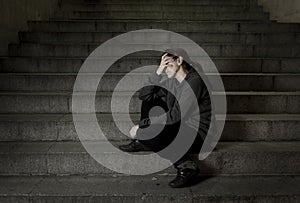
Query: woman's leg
{"points": [[148, 105], [157, 141]]}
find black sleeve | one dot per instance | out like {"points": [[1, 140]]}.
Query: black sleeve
{"points": [[150, 90], [195, 86]]}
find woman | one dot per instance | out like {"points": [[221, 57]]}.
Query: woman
{"points": [[180, 109]]}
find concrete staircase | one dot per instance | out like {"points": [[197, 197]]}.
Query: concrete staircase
{"points": [[258, 156]]}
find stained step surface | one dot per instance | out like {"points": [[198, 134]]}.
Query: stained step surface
{"points": [[62, 158], [163, 6], [174, 25], [109, 81], [100, 37], [61, 102], [160, 15], [152, 188], [73, 65], [213, 50], [60, 127]]}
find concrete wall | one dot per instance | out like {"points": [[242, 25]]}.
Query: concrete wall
{"points": [[14, 15], [282, 10]]}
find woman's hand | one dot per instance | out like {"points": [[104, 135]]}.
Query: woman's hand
{"points": [[133, 131], [164, 62]]}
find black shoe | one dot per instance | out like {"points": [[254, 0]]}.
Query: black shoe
{"points": [[184, 177], [134, 146]]}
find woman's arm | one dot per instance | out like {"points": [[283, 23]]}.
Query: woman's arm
{"points": [[182, 107], [152, 88]]}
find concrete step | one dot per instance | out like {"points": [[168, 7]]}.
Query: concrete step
{"points": [[60, 127], [128, 63], [202, 37], [164, 7], [70, 158], [160, 15], [61, 102], [213, 50], [168, 2], [150, 188], [176, 26], [65, 81]]}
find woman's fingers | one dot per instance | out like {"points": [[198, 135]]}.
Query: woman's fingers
{"points": [[164, 56], [165, 59]]}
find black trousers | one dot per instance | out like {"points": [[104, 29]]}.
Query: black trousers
{"points": [[166, 136]]}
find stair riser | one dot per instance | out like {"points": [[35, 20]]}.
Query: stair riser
{"points": [[159, 7], [212, 50], [81, 163], [62, 104], [126, 64], [234, 130], [111, 26], [171, 2], [131, 15], [196, 37], [109, 82]]}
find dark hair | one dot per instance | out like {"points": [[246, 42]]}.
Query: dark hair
{"points": [[185, 65]]}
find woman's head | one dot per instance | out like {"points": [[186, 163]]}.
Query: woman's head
{"points": [[173, 65], [179, 60]]}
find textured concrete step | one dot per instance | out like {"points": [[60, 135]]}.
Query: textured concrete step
{"points": [[61, 102], [160, 15], [126, 64], [150, 189], [176, 26], [164, 7], [202, 37], [60, 127], [169, 2], [65, 81], [213, 50], [69, 158]]}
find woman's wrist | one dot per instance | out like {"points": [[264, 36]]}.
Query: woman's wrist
{"points": [[159, 70]]}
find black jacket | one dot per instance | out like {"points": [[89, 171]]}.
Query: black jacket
{"points": [[182, 91]]}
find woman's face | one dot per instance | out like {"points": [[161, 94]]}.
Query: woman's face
{"points": [[172, 68]]}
